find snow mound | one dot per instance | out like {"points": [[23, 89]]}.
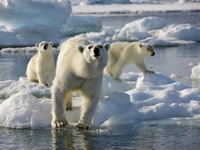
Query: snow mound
{"points": [[154, 97], [26, 22], [23, 110], [10, 87], [195, 76], [149, 30], [185, 32], [15, 14], [138, 29], [111, 85], [196, 72]]}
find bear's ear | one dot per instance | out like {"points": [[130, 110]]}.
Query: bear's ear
{"points": [[81, 49], [51, 43], [37, 45], [140, 45], [107, 46]]}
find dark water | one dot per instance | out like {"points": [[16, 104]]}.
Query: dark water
{"points": [[153, 135], [147, 136]]}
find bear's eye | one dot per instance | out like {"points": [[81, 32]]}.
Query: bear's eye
{"points": [[100, 46], [90, 46], [148, 49]]}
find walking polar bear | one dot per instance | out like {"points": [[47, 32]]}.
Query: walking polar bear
{"points": [[80, 67], [42, 64], [123, 53]]}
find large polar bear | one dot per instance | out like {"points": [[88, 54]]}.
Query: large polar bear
{"points": [[123, 53], [80, 67], [42, 64]]}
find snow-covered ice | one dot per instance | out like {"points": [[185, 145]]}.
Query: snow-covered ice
{"points": [[149, 30], [26, 22], [196, 72], [155, 96], [139, 29], [15, 14], [195, 75]]}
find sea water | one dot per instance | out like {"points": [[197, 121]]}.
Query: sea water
{"points": [[155, 134]]}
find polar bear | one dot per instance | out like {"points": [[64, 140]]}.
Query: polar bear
{"points": [[123, 53], [42, 64], [79, 67]]}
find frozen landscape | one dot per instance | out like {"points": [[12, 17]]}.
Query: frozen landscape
{"points": [[168, 101]]}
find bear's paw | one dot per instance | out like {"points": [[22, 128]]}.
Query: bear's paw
{"points": [[82, 126]]}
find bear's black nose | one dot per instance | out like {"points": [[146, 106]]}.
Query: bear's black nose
{"points": [[45, 46], [152, 54], [96, 52]]}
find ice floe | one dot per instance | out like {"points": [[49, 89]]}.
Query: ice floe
{"points": [[153, 96]]}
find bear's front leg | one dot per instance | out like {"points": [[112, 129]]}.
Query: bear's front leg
{"points": [[141, 65], [58, 115], [41, 78], [87, 110]]}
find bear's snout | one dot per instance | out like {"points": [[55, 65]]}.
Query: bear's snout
{"points": [[96, 52], [45, 46]]}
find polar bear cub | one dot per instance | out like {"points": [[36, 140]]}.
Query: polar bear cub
{"points": [[80, 67], [123, 53], [42, 64]]}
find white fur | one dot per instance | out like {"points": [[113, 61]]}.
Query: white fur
{"points": [[123, 53], [77, 69], [42, 64]]}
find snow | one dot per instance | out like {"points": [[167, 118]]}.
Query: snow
{"points": [[138, 29], [149, 30], [26, 22], [196, 72], [15, 14], [185, 32], [155, 96]]}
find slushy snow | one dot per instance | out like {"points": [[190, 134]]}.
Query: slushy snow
{"points": [[155, 96]]}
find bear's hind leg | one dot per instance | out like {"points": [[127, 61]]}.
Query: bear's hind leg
{"points": [[117, 70]]}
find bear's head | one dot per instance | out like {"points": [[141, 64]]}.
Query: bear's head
{"points": [[147, 49], [44, 46], [95, 52]]}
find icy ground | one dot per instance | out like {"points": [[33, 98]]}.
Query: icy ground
{"points": [[136, 99]]}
